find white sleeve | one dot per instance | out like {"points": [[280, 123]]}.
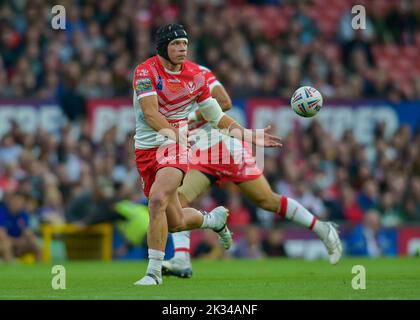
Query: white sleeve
{"points": [[214, 84], [211, 111]]}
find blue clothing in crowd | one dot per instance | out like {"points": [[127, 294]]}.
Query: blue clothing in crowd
{"points": [[363, 242], [15, 224]]}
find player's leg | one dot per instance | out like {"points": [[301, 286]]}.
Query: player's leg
{"points": [[6, 246], [164, 186], [261, 194], [194, 185], [186, 219], [180, 219], [166, 213]]}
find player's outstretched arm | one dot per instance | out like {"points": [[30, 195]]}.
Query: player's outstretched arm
{"points": [[157, 121], [219, 93], [261, 138], [211, 111]]}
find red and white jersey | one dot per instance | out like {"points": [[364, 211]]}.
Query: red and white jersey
{"points": [[238, 155], [177, 94], [201, 132]]}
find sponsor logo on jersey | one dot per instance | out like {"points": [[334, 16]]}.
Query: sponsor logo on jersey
{"points": [[191, 86], [143, 85], [159, 85], [143, 72], [174, 86]]}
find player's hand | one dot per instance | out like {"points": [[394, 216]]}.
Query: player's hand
{"points": [[263, 138]]}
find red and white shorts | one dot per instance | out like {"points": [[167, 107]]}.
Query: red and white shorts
{"points": [[226, 164], [150, 161]]}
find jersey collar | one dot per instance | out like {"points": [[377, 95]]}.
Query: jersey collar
{"points": [[169, 71]]}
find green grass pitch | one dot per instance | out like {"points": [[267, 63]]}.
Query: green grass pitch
{"points": [[229, 279]]}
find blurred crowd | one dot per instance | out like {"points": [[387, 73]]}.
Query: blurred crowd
{"points": [[263, 48]]}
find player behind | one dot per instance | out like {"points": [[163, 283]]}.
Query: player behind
{"points": [[246, 175], [166, 87]]}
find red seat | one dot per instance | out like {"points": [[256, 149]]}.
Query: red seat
{"points": [[410, 52], [399, 75], [392, 50], [403, 64], [383, 62], [378, 51]]}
